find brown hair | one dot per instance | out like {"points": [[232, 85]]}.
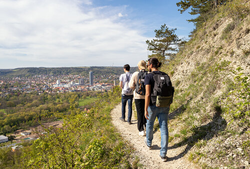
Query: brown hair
{"points": [[155, 62]]}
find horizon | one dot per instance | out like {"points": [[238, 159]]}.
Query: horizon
{"points": [[62, 67]]}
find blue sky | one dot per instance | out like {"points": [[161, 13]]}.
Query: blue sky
{"points": [[73, 33]]}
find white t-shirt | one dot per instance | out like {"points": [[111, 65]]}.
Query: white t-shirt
{"points": [[125, 78]]}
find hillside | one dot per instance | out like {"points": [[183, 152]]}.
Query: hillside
{"points": [[83, 71], [211, 109]]}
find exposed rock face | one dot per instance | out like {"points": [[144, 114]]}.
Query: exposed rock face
{"points": [[202, 75]]}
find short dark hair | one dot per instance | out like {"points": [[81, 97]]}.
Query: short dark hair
{"points": [[155, 62], [126, 67]]}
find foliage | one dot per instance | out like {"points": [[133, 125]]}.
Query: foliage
{"points": [[32, 109], [204, 9], [86, 140], [238, 102], [164, 44], [226, 32], [87, 101], [236, 9]]}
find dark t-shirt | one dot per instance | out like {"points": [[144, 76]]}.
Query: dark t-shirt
{"points": [[149, 80]]}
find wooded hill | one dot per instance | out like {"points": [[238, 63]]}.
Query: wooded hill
{"points": [[83, 71], [211, 110]]}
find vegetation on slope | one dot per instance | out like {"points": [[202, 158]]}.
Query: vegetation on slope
{"points": [[86, 140], [21, 111], [211, 112]]}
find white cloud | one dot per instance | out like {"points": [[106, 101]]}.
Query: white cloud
{"points": [[67, 33], [120, 15]]}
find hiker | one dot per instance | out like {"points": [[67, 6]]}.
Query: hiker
{"points": [[151, 109], [137, 83], [127, 93]]}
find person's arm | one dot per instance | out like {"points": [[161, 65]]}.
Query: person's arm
{"points": [[132, 81], [147, 100], [120, 84]]}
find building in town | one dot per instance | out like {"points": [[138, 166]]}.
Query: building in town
{"points": [[91, 78], [81, 81], [3, 139]]}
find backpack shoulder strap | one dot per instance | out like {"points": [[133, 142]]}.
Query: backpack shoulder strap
{"points": [[127, 77]]}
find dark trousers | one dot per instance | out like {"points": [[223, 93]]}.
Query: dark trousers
{"points": [[125, 99], [140, 107]]}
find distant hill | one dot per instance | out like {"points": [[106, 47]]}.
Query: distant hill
{"points": [[83, 71]]}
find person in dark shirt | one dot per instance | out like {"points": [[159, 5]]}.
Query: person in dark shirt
{"points": [[151, 111]]}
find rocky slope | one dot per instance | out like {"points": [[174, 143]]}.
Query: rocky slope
{"points": [[211, 109]]}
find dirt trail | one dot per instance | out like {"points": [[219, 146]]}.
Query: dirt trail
{"points": [[149, 158]]}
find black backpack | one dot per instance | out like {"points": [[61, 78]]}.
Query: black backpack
{"points": [[163, 90], [140, 87]]}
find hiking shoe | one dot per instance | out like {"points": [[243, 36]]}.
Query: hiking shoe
{"points": [[149, 147], [142, 133], [164, 159], [122, 119]]}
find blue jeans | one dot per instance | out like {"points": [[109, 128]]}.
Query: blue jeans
{"points": [[162, 114], [126, 98]]}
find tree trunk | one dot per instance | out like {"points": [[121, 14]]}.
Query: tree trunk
{"points": [[215, 3]]}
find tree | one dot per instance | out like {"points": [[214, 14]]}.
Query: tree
{"points": [[11, 138], [10, 104], [6, 129], [165, 43], [203, 8]]}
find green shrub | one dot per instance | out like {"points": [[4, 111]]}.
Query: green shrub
{"points": [[226, 32], [246, 52], [177, 135], [184, 132], [238, 100], [86, 140]]}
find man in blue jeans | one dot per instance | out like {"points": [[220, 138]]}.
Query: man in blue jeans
{"points": [[127, 93], [151, 111]]}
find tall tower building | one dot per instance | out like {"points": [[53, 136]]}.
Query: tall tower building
{"points": [[58, 82], [81, 81], [91, 78]]}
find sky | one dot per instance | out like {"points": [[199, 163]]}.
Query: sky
{"points": [[76, 33]]}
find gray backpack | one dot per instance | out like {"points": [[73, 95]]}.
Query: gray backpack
{"points": [[126, 89]]}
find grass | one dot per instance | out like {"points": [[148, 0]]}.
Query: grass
{"points": [[201, 143], [184, 132], [246, 52], [3, 110], [226, 32], [86, 101], [177, 135], [205, 87]]}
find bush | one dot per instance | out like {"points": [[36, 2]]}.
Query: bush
{"points": [[239, 98], [226, 32]]}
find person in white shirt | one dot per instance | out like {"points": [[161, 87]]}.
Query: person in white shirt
{"points": [[127, 93]]}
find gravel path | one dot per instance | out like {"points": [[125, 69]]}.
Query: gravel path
{"points": [[149, 158]]}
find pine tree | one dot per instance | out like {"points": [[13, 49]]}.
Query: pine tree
{"points": [[203, 8], [164, 44]]}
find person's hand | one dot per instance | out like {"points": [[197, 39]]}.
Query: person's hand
{"points": [[146, 114]]}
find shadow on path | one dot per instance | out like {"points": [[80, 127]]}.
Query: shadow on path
{"points": [[178, 111], [204, 132], [172, 115]]}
